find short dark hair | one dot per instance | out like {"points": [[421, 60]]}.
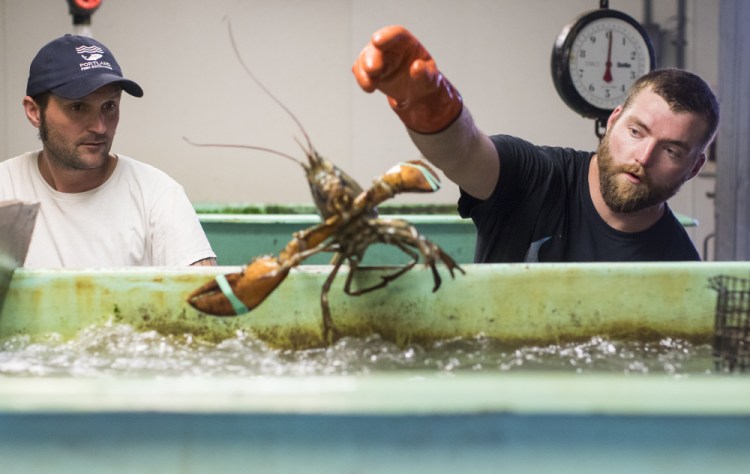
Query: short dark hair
{"points": [[684, 92], [42, 99]]}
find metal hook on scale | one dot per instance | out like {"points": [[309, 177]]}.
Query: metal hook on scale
{"points": [[82, 10]]}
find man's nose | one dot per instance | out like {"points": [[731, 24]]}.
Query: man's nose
{"points": [[646, 155], [97, 123]]}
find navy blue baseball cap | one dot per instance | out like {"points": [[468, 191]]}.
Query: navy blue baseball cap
{"points": [[72, 67]]}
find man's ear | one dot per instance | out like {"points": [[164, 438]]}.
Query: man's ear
{"points": [[613, 116], [33, 111], [698, 165]]}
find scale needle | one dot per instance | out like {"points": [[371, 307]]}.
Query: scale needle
{"points": [[608, 72]]}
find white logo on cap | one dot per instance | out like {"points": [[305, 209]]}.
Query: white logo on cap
{"points": [[90, 53]]}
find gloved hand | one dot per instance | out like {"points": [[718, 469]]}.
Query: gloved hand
{"points": [[397, 64]]}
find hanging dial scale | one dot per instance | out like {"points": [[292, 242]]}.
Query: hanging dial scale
{"points": [[597, 58]]}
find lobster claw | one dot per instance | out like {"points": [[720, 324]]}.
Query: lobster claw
{"points": [[407, 176], [239, 293], [412, 176]]}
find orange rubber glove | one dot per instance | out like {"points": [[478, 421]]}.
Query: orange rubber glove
{"points": [[397, 64]]}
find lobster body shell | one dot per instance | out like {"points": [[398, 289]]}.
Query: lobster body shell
{"points": [[333, 191]]}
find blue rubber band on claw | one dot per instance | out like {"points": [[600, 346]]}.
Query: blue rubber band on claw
{"points": [[239, 306]]}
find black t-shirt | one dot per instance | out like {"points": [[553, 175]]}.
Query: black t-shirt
{"points": [[541, 211]]}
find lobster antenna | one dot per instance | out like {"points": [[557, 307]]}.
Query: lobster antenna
{"points": [[249, 147], [310, 148]]}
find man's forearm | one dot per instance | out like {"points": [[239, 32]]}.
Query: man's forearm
{"points": [[465, 154]]}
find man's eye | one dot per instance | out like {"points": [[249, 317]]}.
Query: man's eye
{"points": [[673, 153]]}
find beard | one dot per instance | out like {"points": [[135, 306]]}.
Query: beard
{"points": [[624, 196], [65, 155]]}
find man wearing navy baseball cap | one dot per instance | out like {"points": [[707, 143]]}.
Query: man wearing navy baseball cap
{"points": [[75, 66], [98, 208]]}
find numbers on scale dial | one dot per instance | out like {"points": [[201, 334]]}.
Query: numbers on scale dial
{"points": [[606, 58]]}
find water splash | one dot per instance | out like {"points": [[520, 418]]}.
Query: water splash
{"points": [[117, 350]]}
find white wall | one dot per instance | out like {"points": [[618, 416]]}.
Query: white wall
{"points": [[497, 53]]}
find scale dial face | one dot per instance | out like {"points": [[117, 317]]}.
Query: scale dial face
{"points": [[597, 59]]}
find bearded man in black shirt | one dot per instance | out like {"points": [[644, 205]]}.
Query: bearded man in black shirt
{"points": [[545, 204]]}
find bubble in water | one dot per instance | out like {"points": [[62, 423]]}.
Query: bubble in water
{"points": [[115, 350]]}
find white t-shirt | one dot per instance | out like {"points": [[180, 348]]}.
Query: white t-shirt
{"points": [[139, 216]]}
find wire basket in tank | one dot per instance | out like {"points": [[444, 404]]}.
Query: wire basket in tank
{"points": [[731, 349]]}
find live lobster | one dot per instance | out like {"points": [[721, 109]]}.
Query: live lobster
{"points": [[350, 224]]}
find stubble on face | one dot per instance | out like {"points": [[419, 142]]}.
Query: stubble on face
{"points": [[621, 195], [65, 154]]}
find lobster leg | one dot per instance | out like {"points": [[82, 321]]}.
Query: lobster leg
{"points": [[330, 333], [384, 280], [402, 234], [432, 253]]}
